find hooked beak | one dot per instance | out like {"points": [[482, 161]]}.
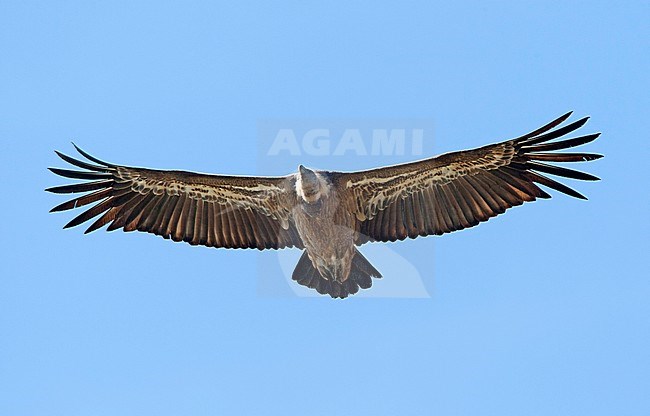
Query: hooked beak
{"points": [[309, 184]]}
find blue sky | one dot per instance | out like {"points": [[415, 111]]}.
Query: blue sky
{"points": [[541, 311]]}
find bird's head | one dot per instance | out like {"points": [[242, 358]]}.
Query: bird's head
{"points": [[310, 185]]}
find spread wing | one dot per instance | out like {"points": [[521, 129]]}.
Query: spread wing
{"points": [[211, 210], [460, 189]]}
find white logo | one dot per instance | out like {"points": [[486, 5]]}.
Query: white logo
{"points": [[321, 142]]}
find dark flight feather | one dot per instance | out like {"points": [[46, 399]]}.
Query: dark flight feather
{"points": [[487, 182], [126, 201]]}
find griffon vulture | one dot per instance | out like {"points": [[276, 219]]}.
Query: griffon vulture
{"points": [[327, 214]]}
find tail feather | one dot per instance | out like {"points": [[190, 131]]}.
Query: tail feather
{"points": [[361, 274]]}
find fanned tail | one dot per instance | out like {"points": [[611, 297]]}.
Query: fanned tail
{"points": [[361, 274]]}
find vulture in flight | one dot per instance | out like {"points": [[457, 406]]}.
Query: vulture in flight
{"points": [[327, 214]]}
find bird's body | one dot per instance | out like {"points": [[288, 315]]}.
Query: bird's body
{"points": [[327, 231], [326, 225], [328, 214]]}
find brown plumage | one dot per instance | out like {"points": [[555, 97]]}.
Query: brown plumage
{"points": [[327, 213]]}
